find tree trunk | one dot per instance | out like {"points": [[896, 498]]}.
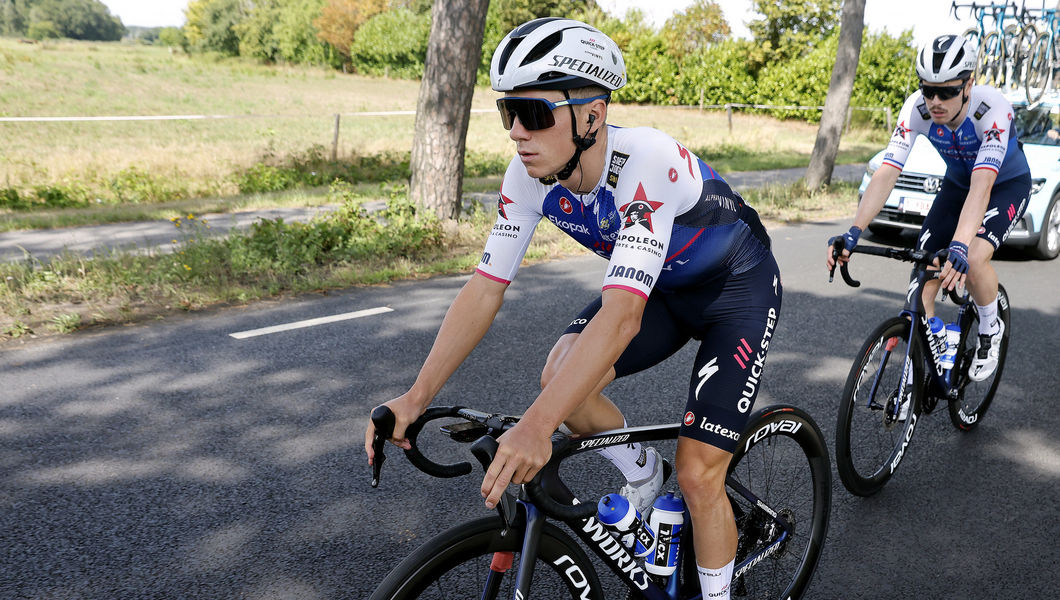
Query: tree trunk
{"points": [[841, 86], [443, 109]]}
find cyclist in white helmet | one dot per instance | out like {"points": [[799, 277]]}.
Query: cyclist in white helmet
{"points": [[984, 192], [687, 259]]}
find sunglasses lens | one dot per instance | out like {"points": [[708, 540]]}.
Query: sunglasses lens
{"points": [[942, 92], [534, 114]]}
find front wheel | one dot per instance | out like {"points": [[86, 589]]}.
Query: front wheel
{"points": [[974, 397], [881, 404], [480, 560], [783, 462]]}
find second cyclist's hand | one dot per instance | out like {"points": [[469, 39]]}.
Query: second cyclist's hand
{"points": [[850, 241], [521, 452], [955, 270]]}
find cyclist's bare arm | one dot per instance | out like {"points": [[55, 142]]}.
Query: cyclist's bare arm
{"points": [[466, 322], [872, 201], [525, 448]]}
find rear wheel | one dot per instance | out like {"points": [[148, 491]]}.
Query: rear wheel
{"points": [[467, 561], [1039, 69], [881, 403], [974, 397], [783, 462]]}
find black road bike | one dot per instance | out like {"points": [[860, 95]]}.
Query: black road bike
{"points": [[897, 377], [779, 484]]}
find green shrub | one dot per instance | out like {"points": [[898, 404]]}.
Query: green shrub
{"points": [[135, 186], [392, 43]]}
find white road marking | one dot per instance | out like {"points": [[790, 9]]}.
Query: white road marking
{"points": [[239, 335]]}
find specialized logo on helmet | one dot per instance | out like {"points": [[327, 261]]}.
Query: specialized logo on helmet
{"points": [[640, 210], [943, 43], [580, 66]]}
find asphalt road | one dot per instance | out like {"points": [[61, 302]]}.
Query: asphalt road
{"points": [[172, 460]]}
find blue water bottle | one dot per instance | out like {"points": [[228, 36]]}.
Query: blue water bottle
{"points": [[615, 512], [953, 339], [667, 519]]}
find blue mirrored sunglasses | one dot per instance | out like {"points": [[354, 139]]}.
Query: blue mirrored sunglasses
{"points": [[534, 113]]}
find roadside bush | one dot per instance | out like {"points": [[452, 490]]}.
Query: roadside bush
{"points": [[392, 43], [717, 74], [135, 186]]}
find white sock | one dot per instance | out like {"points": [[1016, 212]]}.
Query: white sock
{"points": [[715, 582], [635, 462], [988, 318]]}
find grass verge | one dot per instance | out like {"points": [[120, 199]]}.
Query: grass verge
{"points": [[347, 247]]}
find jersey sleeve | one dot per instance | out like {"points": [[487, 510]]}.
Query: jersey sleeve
{"points": [[905, 132], [994, 129], [518, 213], [646, 200]]}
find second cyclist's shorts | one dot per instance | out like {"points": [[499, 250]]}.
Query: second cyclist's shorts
{"points": [[1008, 202], [734, 317]]}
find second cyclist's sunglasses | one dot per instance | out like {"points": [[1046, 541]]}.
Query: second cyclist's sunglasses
{"points": [[534, 113], [943, 92]]}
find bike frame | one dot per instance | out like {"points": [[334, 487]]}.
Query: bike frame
{"points": [[605, 545]]}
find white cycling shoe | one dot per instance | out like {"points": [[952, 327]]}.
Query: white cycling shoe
{"points": [[643, 493], [986, 353]]}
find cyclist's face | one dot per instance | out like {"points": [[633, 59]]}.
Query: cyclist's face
{"points": [[544, 151], [944, 111]]}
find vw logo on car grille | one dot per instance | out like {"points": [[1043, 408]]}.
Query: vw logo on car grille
{"points": [[932, 185]]}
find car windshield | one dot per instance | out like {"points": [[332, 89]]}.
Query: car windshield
{"points": [[1037, 125]]}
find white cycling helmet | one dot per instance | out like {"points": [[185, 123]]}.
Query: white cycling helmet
{"points": [[946, 58], [556, 54]]}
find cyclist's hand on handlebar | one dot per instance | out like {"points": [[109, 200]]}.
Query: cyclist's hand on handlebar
{"points": [[850, 240], [405, 410], [521, 452], [955, 270]]}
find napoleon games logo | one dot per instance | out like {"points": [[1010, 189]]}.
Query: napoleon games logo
{"points": [[503, 201], [994, 133], [901, 130], [640, 210]]}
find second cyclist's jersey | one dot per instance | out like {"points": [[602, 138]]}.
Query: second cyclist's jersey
{"points": [[984, 140], [661, 216]]}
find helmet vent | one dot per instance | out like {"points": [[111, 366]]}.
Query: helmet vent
{"points": [[543, 48]]}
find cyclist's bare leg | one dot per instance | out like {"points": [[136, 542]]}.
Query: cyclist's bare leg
{"points": [[701, 470], [597, 412], [982, 278]]}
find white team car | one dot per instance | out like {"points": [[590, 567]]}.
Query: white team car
{"points": [[1038, 231]]}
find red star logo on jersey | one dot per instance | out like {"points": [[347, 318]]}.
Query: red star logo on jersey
{"points": [[994, 133], [501, 202], [901, 130], [640, 210]]}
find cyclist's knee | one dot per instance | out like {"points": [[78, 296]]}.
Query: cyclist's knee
{"points": [[701, 470], [979, 253], [555, 357]]}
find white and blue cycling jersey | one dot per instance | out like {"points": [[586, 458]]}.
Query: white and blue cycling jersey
{"points": [[661, 216], [985, 139]]}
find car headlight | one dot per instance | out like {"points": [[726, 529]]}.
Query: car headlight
{"points": [[1037, 184]]}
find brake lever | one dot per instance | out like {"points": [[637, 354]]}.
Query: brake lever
{"points": [[485, 449], [384, 421]]}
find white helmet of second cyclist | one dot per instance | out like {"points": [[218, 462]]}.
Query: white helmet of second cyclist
{"points": [[556, 54], [946, 58]]}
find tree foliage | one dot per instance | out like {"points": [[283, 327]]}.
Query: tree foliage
{"points": [[392, 43], [339, 20], [282, 31], [74, 19], [790, 28], [210, 25], [695, 28]]}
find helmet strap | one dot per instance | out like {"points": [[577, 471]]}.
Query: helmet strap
{"points": [[581, 143]]}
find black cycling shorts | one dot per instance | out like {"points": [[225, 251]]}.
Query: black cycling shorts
{"points": [[1008, 202], [735, 319]]}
